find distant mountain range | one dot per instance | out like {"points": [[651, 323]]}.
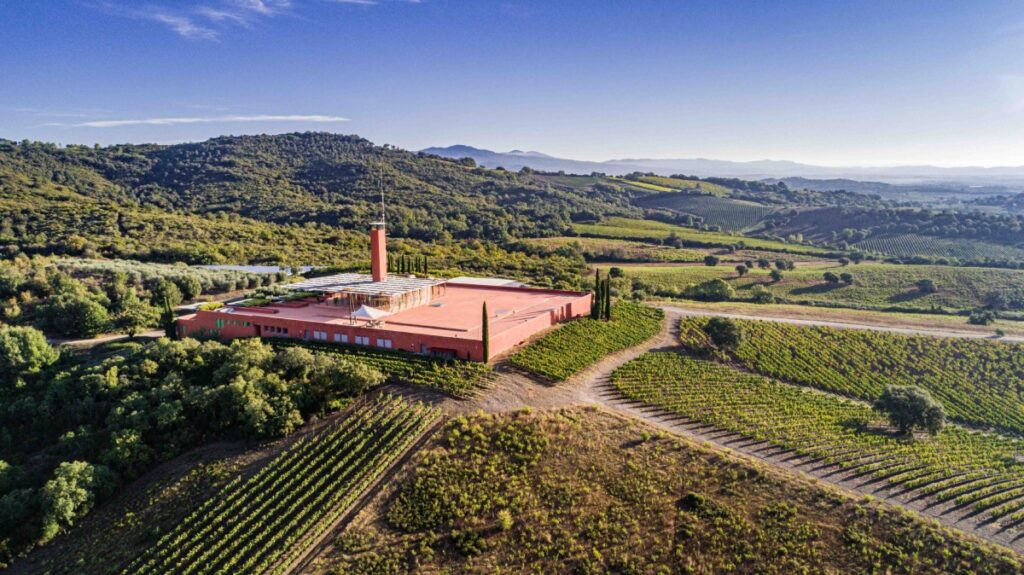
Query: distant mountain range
{"points": [[1012, 176]]}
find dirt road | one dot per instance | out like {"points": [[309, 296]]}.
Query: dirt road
{"points": [[682, 310]]}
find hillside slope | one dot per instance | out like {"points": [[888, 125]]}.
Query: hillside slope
{"points": [[310, 177]]}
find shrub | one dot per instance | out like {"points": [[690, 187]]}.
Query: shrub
{"points": [[831, 278], [74, 315], [723, 332], [981, 317], [711, 260], [712, 290], [23, 351], [926, 286], [760, 294]]}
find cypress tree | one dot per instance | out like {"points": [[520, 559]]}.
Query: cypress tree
{"points": [[486, 335], [608, 300], [426, 266], [167, 318], [595, 306]]}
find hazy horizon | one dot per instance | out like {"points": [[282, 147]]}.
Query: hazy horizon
{"points": [[826, 84]]}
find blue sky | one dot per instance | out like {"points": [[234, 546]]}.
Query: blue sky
{"points": [[836, 83]]}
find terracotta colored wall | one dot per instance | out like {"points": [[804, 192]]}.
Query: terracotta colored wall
{"points": [[513, 337], [466, 348]]}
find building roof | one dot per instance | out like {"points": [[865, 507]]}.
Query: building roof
{"points": [[456, 313], [493, 282], [363, 284]]}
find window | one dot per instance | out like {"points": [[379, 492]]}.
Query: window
{"points": [[362, 340], [320, 335], [220, 323], [385, 343], [340, 338]]}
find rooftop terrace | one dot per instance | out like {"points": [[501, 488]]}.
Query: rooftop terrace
{"points": [[363, 284]]}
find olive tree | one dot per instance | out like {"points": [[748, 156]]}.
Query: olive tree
{"points": [[909, 407]]}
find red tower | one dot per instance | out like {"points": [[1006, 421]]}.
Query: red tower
{"points": [[378, 252]]}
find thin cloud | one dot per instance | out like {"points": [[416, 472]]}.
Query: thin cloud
{"points": [[203, 22], [185, 27], [207, 21], [173, 121]]}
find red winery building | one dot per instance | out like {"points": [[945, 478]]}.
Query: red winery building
{"points": [[414, 314]]}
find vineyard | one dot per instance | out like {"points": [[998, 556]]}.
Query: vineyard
{"points": [[684, 184], [979, 471], [454, 377], [262, 523], [645, 230], [977, 381], [730, 215], [578, 344], [908, 245]]}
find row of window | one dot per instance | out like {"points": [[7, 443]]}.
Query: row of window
{"points": [[236, 322], [338, 337]]}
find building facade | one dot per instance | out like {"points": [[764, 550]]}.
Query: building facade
{"points": [[407, 313]]}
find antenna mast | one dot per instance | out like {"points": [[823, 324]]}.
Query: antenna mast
{"points": [[380, 185]]}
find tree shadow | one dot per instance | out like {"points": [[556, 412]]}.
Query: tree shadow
{"points": [[870, 428], [817, 289], [907, 296]]}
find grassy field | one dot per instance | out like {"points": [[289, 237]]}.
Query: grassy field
{"points": [[978, 382], [582, 491], [908, 245], [578, 344], [609, 249], [730, 215], [967, 468], [642, 230], [875, 286]]}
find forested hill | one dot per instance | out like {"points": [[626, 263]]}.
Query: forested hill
{"points": [[310, 177]]}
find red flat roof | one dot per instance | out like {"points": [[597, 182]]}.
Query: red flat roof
{"points": [[457, 313]]}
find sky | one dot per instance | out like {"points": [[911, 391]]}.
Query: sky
{"points": [[832, 83]]}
